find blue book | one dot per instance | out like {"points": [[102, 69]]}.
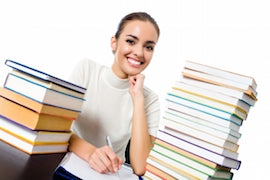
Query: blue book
{"points": [[44, 76]]}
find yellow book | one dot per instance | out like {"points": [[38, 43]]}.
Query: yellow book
{"points": [[32, 119]]}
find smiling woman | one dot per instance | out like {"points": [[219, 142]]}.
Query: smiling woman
{"points": [[117, 102]]}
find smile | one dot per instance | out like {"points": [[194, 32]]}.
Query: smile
{"points": [[132, 61]]}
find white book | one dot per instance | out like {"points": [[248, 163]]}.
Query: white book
{"points": [[211, 93], [220, 81], [42, 75], [47, 84], [204, 108], [199, 151], [201, 139], [31, 136], [42, 94], [29, 147], [203, 115], [229, 108], [192, 166], [212, 136], [219, 89], [202, 122], [243, 79], [201, 128]]}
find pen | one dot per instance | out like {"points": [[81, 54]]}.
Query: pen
{"points": [[109, 143]]}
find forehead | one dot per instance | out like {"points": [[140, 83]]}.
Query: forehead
{"points": [[144, 30]]}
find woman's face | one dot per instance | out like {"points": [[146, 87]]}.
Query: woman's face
{"points": [[134, 48]]}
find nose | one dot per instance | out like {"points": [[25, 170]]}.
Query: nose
{"points": [[138, 50]]}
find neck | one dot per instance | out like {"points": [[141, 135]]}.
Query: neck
{"points": [[117, 71]]}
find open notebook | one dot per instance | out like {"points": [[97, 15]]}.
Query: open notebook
{"points": [[75, 166]]}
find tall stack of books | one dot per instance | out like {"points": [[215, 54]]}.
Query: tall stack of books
{"points": [[204, 111], [37, 110]]}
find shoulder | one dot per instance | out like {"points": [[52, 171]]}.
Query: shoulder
{"points": [[84, 71], [87, 64]]}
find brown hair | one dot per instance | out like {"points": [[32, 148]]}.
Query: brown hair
{"points": [[142, 16]]}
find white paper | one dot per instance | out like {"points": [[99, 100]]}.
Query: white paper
{"points": [[80, 168]]}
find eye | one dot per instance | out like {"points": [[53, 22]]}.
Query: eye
{"points": [[131, 42], [149, 48]]}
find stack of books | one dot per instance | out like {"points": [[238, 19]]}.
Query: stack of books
{"points": [[199, 136], [37, 110]]}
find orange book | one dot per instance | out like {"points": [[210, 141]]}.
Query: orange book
{"points": [[32, 119], [192, 156], [36, 106], [158, 172]]}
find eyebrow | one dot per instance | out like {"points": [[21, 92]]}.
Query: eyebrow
{"points": [[135, 37]]}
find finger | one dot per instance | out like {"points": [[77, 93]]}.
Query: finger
{"points": [[101, 161], [115, 160], [97, 165]]}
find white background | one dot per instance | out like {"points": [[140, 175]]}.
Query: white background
{"points": [[54, 35]]}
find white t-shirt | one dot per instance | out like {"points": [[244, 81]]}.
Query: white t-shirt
{"points": [[108, 108]]}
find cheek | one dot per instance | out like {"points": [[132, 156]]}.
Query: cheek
{"points": [[148, 56], [124, 49]]}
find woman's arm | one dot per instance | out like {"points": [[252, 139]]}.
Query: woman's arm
{"points": [[140, 142], [103, 159]]}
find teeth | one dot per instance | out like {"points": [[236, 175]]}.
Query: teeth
{"points": [[133, 61]]}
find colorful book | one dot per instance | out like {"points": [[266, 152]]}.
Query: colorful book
{"points": [[148, 175], [196, 129], [32, 119], [220, 81], [30, 148], [196, 169], [203, 108], [174, 171], [31, 136], [155, 173], [204, 115], [47, 77], [205, 144], [202, 122], [226, 103], [200, 151], [47, 84], [33, 142], [42, 94], [195, 85], [36, 106], [191, 156], [203, 139]]}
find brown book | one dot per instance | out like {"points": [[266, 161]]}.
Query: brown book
{"points": [[36, 106], [32, 119]]}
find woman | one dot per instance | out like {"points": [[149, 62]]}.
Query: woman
{"points": [[117, 104]]}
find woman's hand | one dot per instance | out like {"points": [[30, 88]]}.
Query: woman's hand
{"points": [[136, 85], [104, 160]]}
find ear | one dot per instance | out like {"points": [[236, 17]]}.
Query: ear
{"points": [[113, 44]]}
